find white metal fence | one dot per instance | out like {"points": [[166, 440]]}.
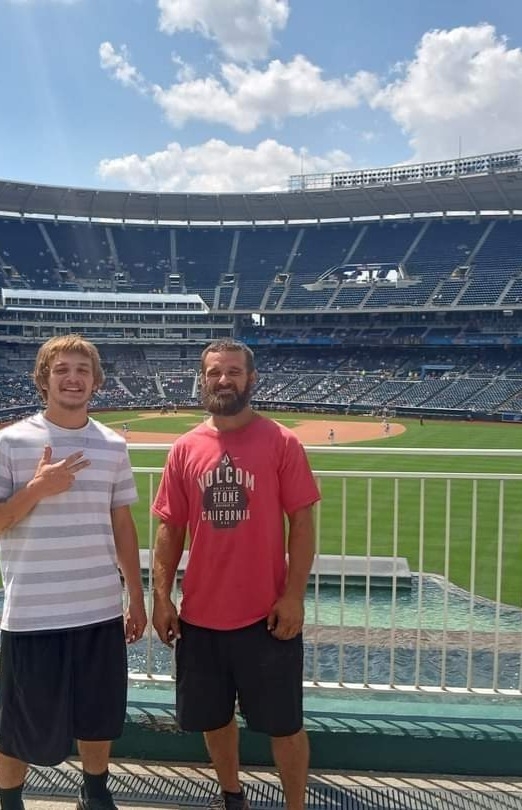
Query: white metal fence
{"points": [[371, 622]]}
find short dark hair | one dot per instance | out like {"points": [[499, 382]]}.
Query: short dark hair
{"points": [[229, 345]]}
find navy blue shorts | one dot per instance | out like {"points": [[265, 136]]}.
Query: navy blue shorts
{"points": [[60, 686], [216, 667]]}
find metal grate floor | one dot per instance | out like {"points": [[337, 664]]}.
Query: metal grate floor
{"points": [[157, 790]]}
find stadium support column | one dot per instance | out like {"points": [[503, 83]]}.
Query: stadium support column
{"points": [[114, 252], [173, 259]]}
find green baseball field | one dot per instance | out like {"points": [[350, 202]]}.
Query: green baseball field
{"points": [[496, 573]]}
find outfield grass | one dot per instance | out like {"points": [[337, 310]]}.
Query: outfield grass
{"points": [[432, 434]]}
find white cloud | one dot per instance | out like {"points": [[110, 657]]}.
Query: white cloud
{"points": [[184, 71], [243, 29], [216, 166], [119, 67], [464, 83], [244, 98]]}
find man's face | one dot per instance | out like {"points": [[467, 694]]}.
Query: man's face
{"points": [[226, 385], [71, 382]]}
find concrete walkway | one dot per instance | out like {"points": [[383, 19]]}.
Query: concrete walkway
{"points": [[339, 779]]}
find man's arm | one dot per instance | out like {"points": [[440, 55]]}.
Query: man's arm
{"points": [[301, 551], [127, 550], [170, 541], [49, 479], [287, 615]]}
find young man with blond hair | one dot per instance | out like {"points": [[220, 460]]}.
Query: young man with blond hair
{"points": [[66, 529]]}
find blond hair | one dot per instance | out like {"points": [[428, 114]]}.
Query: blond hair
{"points": [[66, 345]]}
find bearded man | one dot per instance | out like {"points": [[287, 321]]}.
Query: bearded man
{"points": [[238, 634]]}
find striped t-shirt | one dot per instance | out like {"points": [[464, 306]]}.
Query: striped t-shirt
{"points": [[59, 563]]}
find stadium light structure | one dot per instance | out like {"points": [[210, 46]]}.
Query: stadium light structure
{"points": [[405, 173]]}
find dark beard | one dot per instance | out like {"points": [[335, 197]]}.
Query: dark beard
{"points": [[229, 403]]}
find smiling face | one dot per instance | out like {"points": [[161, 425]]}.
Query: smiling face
{"points": [[69, 384], [226, 383]]}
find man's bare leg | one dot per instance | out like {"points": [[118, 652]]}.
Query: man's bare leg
{"points": [[223, 747], [94, 755], [291, 756], [12, 778], [12, 772]]}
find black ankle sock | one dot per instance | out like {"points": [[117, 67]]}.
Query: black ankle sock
{"points": [[95, 785], [234, 795], [11, 798]]}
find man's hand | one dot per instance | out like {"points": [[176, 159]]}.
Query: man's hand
{"points": [[165, 621], [286, 617], [135, 620], [52, 479]]}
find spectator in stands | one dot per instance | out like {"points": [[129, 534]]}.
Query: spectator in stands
{"points": [[65, 524], [239, 632]]}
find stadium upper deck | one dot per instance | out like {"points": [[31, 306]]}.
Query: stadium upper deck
{"points": [[434, 264], [475, 184], [437, 245]]}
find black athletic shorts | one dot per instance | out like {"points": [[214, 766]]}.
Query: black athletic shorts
{"points": [[59, 686], [214, 667]]}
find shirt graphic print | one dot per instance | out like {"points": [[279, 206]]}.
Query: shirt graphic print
{"points": [[225, 494]]}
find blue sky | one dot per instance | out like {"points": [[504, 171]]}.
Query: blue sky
{"points": [[237, 95]]}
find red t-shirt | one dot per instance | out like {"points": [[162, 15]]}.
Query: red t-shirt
{"points": [[233, 488]]}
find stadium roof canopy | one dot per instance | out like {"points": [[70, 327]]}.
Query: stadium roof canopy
{"points": [[488, 183]]}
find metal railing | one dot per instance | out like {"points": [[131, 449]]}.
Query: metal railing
{"points": [[450, 624]]}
